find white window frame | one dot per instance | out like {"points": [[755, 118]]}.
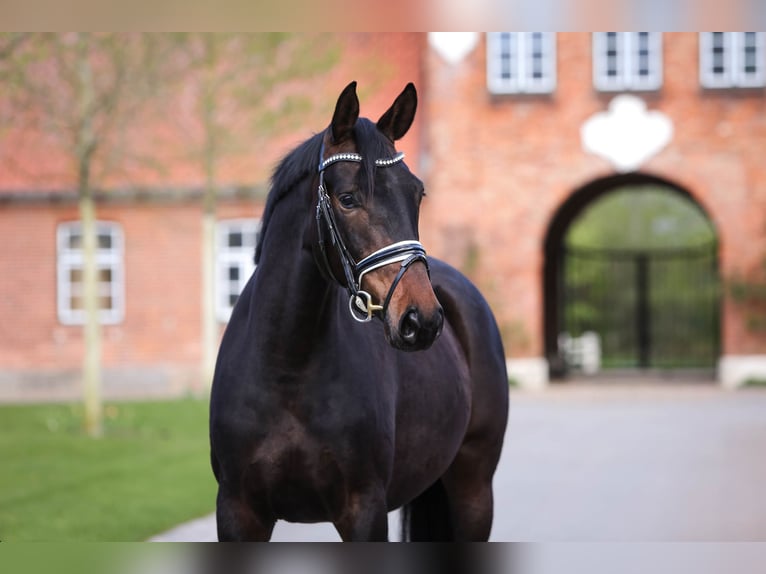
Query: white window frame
{"points": [[233, 257], [628, 75], [69, 259], [517, 48], [733, 61]]}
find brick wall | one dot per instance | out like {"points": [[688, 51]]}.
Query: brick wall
{"points": [[156, 348], [499, 167]]}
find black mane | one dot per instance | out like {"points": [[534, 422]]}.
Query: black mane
{"points": [[302, 163], [295, 167]]}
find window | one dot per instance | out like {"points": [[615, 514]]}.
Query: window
{"points": [[625, 61], [235, 249], [732, 59], [109, 269], [521, 62]]}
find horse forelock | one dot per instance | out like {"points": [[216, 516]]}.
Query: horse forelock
{"points": [[372, 145]]}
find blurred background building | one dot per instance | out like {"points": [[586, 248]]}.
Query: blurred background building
{"points": [[610, 185]]}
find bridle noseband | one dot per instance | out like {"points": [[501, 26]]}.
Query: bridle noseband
{"points": [[406, 253]]}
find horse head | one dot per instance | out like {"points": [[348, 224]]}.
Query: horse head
{"points": [[368, 203]]}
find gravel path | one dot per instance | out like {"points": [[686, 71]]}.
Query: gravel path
{"points": [[662, 461]]}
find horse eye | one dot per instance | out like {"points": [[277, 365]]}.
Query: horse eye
{"points": [[347, 201]]}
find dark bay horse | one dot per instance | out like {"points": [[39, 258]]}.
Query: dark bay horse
{"points": [[357, 375]]}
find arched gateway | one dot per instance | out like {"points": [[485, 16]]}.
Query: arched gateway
{"points": [[654, 303]]}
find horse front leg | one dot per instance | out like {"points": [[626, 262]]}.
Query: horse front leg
{"points": [[237, 521], [468, 484], [365, 518]]}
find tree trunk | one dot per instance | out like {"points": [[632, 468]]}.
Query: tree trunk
{"points": [[85, 146], [210, 152], [91, 369], [209, 322]]}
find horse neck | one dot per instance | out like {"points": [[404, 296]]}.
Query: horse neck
{"points": [[290, 296]]}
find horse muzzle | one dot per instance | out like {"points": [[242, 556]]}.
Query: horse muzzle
{"points": [[414, 317], [417, 331]]}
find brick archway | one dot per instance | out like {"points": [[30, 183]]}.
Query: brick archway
{"points": [[554, 253]]}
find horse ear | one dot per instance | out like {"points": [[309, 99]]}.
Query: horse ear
{"points": [[346, 114], [398, 119]]}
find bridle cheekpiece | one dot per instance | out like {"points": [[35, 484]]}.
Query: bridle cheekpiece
{"points": [[405, 253]]}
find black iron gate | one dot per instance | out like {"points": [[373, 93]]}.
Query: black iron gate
{"points": [[651, 309]]}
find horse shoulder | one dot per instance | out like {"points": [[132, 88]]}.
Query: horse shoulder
{"points": [[470, 317]]}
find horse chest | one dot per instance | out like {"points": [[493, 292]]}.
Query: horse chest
{"points": [[432, 417], [308, 461]]}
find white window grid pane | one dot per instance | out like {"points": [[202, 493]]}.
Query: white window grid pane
{"points": [[720, 50], [613, 56], [539, 73], [536, 53], [239, 257], [521, 62], [643, 49], [715, 55], [71, 229], [103, 289], [71, 259], [645, 60], [507, 56], [608, 59], [749, 59], [624, 61], [749, 53], [732, 59], [502, 62]]}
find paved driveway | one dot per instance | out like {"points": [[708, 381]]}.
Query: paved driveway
{"points": [[616, 462]]}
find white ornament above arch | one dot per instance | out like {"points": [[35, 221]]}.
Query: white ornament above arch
{"points": [[627, 135], [453, 46]]}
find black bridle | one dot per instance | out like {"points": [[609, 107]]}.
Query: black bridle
{"points": [[404, 252]]}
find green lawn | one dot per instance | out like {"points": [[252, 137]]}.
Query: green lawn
{"points": [[150, 472]]}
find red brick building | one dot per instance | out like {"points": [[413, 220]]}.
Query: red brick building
{"points": [[502, 143], [509, 164]]}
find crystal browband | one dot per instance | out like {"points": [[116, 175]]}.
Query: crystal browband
{"points": [[358, 158]]}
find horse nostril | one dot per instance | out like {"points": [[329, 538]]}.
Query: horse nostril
{"points": [[439, 322], [410, 326]]}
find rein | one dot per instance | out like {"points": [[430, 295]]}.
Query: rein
{"points": [[406, 253]]}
